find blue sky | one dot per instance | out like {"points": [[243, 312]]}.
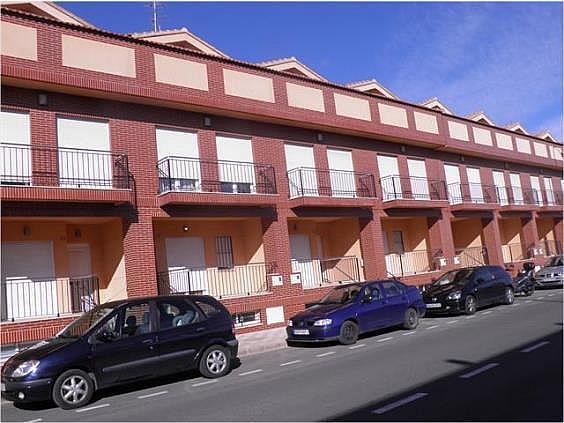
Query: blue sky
{"points": [[503, 58]]}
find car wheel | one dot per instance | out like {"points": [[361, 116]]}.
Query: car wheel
{"points": [[470, 305], [215, 362], [509, 297], [411, 319], [349, 333], [73, 389]]}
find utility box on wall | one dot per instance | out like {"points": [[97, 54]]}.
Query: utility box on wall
{"points": [[277, 280], [296, 278]]}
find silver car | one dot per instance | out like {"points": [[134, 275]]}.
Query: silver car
{"points": [[552, 273]]}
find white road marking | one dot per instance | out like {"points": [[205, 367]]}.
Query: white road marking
{"points": [[207, 382], [534, 347], [80, 410], [486, 312], [357, 346], [290, 362], [479, 370], [550, 295], [409, 333], [432, 327], [528, 301], [451, 322], [399, 403], [252, 372], [385, 339], [540, 298], [470, 317], [154, 394], [515, 304], [33, 421], [325, 354]]}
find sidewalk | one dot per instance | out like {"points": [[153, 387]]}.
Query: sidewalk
{"points": [[264, 340]]}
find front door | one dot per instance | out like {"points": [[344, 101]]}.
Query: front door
{"points": [[302, 175], [395, 301], [186, 264], [372, 311], [485, 288], [82, 286], [301, 260]]}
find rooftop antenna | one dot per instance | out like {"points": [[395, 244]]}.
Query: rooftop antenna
{"points": [[155, 5]]}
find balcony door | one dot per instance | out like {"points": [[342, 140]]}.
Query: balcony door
{"points": [[29, 287], [499, 182], [475, 185], [15, 163], [418, 179], [186, 262], [302, 262], [549, 191], [452, 176], [537, 194], [236, 167], [178, 160], [302, 176], [341, 173], [85, 160], [389, 177], [516, 189]]}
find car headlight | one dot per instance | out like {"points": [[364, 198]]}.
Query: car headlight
{"points": [[290, 323], [454, 295], [322, 322], [26, 368]]}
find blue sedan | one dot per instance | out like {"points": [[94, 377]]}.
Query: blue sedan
{"points": [[349, 310]]}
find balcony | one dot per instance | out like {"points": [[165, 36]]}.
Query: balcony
{"points": [[471, 256], [414, 192], [221, 283], [553, 200], [412, 262], [513, 253], [63, 174], [472, 196], [318, 273], [549, 247], [41, 298], [517, 198], [323, 187], [183, 180]]}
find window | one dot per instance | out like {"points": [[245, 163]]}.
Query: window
{"points": [[137, 320], [247, 318], [236, 168], [224, 250], [499, 273], [373, 292], [15, 167], [484, 274], [175, 313], [208, 309], [392, 289]]}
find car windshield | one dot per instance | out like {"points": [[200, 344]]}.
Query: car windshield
{"points": [[341, 295], [454, 277], [554, 261], [84, 323]]}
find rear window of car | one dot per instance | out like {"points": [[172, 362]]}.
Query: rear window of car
{"points": [[208, 308], [392, 288], [483, 273], [499, 273]]}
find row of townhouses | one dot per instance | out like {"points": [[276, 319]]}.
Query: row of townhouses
{"points": [[152, 163]]}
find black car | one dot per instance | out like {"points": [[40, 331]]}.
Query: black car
{"points": [[120, 342], [465, 290]]}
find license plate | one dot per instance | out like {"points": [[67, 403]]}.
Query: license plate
{"points": [[434, 305], [301, 332]]}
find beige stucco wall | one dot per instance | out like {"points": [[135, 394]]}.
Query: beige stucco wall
{"points": [[458, 131], [414, 231], [305, 97], [180, 72], [241, 84], [545, 228], [504, 141], [523, 145], [482, 136], [356, 108], [510, 231], [426, 123], [18, 41], [467, 233], [393, 115], [540, 149], [98, 56]]}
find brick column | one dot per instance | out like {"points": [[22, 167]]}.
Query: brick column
{"points": [[208, 157], [530, 238], [322, 166], [372, 246], [440, 236], [45, 157], [492, 239], [404, 181], [276, 241], [139, 256], [558, 233]]}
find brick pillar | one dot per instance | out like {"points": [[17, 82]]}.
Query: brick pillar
{"points": [[465, 188], [276, 241], [558, 235], [372, 246], [530, 238], [492, 239], [322, 166], [208, 157], [44, 154], [440, 237], [404, 181], [139, 256]]}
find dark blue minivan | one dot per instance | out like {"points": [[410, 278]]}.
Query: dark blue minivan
{"points": [[120, 342], [349, 310]]}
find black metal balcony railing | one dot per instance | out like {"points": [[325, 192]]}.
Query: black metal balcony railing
{"points": [[395, 187], [187, 174], [471, 256], [317, 273], [551, 247], [412, 262], [63, 167], [32, 298], [553, 198], [512, 253], [238, 281], [311, 182], [471, 193], [518, 196]]}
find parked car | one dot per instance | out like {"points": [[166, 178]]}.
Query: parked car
{"points": [[349, 310], [122, 341], [465, 290], [552, 273]]}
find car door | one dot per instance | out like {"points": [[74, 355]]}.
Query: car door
{"points": [[182, 334], [484, 286], [372, 313], [501, 280], [395, 300], [131, 353]]}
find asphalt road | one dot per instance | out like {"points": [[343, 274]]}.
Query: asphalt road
{"points": [[502, 364]]}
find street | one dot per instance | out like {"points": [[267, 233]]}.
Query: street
{"points": [[502, 364]]}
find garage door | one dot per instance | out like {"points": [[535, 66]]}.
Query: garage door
{"points": [[29, 287]]}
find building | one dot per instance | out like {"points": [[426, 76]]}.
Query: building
{"points": [[143, 164]]}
